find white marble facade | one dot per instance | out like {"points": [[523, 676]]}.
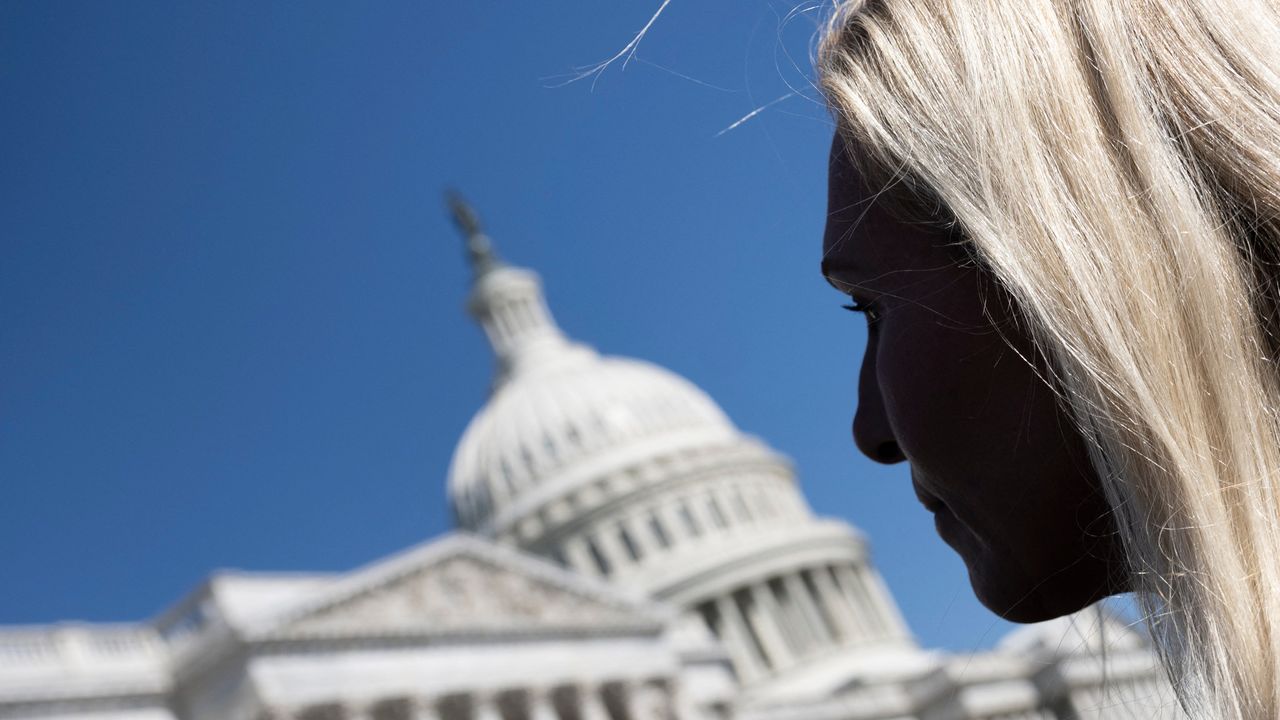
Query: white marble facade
{"points": [[623, 553]]}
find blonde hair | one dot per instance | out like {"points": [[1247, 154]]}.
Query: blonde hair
{"points": [[1116, 165]]}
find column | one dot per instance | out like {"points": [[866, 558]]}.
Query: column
{"points": [[814, 635], [720, 515], [781, 610], [766, 622], [657, 529], [697, 504], [803, 602], [575, 551], [795, 628], [541, 706], [648, 701], [274, 713], [837, 605], [455, 706], [668, 511], [607, 540], [424, 709], [404, 708], [485, 706], [591, 703], [894, 622], [637, 525], [324, 711], [737, 641], [863, 604]]}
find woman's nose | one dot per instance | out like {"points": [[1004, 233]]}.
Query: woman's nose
{"points": [[871, 431]]}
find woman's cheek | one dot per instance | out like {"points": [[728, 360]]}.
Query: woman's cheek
{"points": [[937, 382], [918, 391]]}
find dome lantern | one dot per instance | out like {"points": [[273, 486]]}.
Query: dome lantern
{"points": [[507, 302]]}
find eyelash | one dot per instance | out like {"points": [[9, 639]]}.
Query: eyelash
{"points": [[866, 309]]}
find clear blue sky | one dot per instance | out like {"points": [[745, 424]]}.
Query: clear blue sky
{"points": [[231, 325]]}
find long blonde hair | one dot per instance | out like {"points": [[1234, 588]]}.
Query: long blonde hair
{"points": [[1116, 165]]}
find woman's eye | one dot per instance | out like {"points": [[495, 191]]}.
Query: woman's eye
{"points": [[864, 308]]}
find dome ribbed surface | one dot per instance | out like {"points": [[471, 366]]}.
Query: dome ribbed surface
{"points": [[539, 423]]}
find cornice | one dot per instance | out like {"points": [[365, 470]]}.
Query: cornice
{"points": [[747, 560], [656, 480], [611, 463], [426, 637]]}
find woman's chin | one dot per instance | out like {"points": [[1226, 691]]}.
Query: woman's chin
{"points": [[1020, 600], [1041, 583]]}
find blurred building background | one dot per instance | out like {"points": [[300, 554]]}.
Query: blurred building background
{"points": [[622, 552], [229, 303]]}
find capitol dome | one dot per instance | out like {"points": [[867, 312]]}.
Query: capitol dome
{"points": [[543, 420]]}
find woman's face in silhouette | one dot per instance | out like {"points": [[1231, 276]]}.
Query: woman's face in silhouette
{"points": [[951, 385]]}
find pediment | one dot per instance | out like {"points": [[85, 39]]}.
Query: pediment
{"points": [[461, 585]]}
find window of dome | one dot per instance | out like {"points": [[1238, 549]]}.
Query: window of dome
{"points": [[740, 504], [762, 502], [527, 458], [557, 555], [550, 446], [481, 500], [597, 556], [507, 477], [711, 616], [571, 433], [717, 515], [628, 544], [658, 531], [690, 522]]}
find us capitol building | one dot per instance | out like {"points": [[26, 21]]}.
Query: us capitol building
{"points": [[622, 552]]}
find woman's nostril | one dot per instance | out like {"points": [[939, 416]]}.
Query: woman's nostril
{"points": [[888, 452]]}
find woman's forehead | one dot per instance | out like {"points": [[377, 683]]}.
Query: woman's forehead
{"points": [[865, 233], [849, 201]]}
